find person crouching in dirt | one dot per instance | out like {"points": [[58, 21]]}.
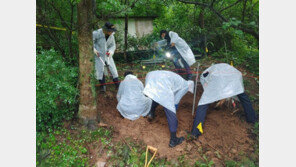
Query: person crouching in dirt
{"points": [[104, 48], [167, 88], [220, 81], [132, 103], [181, 52]]}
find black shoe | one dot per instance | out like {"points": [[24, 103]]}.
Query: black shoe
{"points": [[191, 136], [116, 83], [102, 88], [176, 141]]}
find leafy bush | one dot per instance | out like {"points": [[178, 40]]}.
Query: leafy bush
{"points": [[62, 148], [56, 91]]}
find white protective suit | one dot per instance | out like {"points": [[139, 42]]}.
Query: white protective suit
{"points": [[132, 103], [102, 47], [182, 48], [166, 88], [223, 81]]}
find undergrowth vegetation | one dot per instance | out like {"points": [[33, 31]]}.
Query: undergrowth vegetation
{"points": [[56, 90]]}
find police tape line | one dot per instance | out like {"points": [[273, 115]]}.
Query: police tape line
{"points": [[246, 75], [55, 28], [240, 69], [110, 83]]}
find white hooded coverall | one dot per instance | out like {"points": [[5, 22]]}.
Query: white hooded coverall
{"points": [[132, 103], [166, 88], [102, 46], [182, 48]]}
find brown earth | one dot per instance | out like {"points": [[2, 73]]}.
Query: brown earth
{"points": [[226, 136]]}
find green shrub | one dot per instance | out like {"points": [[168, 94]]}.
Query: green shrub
{"points": [[56, 90], [63, 148]]}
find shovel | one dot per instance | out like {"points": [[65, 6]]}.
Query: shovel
{"points": [[153, 149]]}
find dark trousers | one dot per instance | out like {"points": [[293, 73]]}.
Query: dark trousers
{"points": [[153, 108], [172, 119], [248, 108], [177, 65], [103, 80], [202, 110]]}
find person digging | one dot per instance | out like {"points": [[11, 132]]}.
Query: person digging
{"points": [[220, 81], [132, 103], [166, 88], [104, 48], [182, 54]]}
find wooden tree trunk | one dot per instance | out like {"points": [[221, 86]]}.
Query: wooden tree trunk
{"points": [[202, 26], [88, 114], [244, 11], [125, 33], [71, 55]]}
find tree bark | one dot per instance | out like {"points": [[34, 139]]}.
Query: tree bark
{"points": [[87, 113], [244, 11], [202, 26], [70, 33], [125, 33]]}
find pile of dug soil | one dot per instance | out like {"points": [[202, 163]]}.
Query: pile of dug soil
{"points": [[226, 136]]}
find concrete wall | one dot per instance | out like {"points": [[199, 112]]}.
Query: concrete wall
{"points": [[137, 27], [143, 26]]}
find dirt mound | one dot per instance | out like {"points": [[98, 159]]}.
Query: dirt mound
{"points": [[225, 136]]}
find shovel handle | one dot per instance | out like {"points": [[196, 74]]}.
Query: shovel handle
{"points": [[153, 149]]}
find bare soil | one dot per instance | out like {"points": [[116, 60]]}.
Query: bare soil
{"points": [[225, 136]]}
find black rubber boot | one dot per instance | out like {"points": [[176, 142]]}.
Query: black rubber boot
{"points": [[174, 141], [103, 87], [116, 83]]}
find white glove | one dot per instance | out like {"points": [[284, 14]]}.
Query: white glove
{"points": [[96, 52], [110, 53], [190, 86]]}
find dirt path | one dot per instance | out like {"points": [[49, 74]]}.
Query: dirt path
{"points": [[225, 133]]}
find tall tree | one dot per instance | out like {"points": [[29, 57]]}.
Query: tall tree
{"points": [[58, 14], [125, 32], [210, 5], [202, 26], [87, 107]]}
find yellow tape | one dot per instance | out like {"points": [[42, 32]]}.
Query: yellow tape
{"points": [[199, 127], [55, 28]]}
